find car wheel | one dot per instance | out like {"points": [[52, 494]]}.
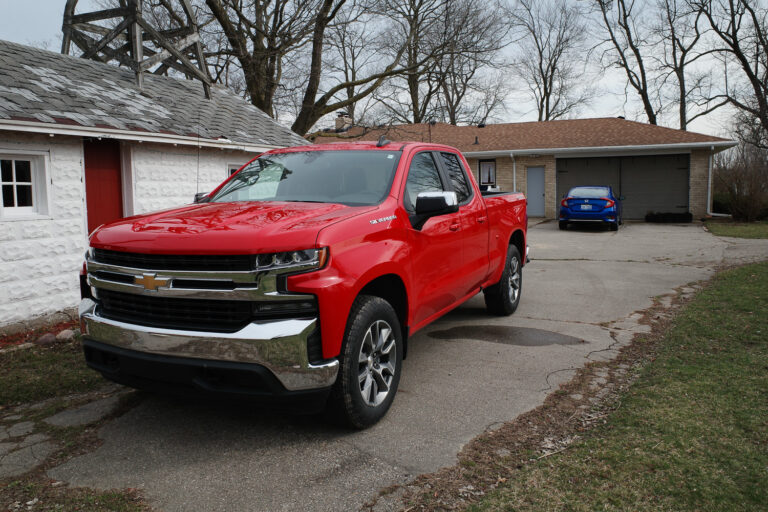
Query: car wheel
{"points": [[562, 225], [503, 297], [371, 362], [614, 226]]}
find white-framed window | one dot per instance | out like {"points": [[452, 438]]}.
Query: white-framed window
{"points": [[487, 172], [23, 187], [233, 168]]}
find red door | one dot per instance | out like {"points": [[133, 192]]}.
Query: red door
{"points": [[103, 189]]}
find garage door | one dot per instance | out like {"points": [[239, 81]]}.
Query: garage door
{"points": [[648, 183]]}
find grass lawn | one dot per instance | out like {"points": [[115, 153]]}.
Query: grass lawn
{"points": [[739, 229], [38, 373], [691, 433], [54, 374]]}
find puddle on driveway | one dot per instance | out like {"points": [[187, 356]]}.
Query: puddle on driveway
{"points": [[520, 336]]}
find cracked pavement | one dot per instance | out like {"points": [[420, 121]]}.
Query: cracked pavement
{"points": [[582, 296]]}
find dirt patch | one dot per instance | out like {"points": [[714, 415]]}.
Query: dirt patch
{"points": [[9, 340], [577, 406]]}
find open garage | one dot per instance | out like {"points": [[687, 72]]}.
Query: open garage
{"points": [[648, 184]]}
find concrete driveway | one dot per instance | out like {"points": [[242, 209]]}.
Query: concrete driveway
{"points": [[464, 374]]}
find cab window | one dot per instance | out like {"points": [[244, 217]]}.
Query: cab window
{"points": [[457, 176], [423, 176]]}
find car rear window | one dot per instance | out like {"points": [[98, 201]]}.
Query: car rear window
{"points": [[589, 192]]}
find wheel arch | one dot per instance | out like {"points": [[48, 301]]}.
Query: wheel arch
{"points": [[391, 288], [518, 240]]}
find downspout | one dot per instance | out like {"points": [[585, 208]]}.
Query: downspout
{"points": [[514, 172], [709, 188]]}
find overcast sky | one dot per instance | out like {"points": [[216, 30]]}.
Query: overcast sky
{"points": [[38, 23]]}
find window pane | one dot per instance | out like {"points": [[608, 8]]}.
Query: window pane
{"points": [[23, 171], [457, 176], [23, 195], [8, 196], [422, 177], [7, 170], [487, 173]]}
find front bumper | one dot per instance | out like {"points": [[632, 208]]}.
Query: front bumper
{"points": [[278, 347]]}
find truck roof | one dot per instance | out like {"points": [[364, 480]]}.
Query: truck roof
{"points": [[362, 145]]}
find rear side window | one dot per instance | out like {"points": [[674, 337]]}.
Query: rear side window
{"points": [[457, 176], [422, 177]]}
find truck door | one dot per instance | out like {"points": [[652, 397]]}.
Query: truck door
{"points": [[436, 248], [474, 225]]}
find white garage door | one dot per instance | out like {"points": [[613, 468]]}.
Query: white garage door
{"points": [[648, 183]]}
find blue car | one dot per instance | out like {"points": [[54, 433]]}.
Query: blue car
{"points": [[591, 204]]}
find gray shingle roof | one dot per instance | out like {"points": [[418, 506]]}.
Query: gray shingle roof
{"points": [[43, 86]]}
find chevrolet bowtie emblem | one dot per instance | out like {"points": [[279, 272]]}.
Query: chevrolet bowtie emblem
{"points": [[150, 282]]}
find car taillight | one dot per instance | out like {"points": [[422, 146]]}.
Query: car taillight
{"points": [[564, 202], [608, 202]]}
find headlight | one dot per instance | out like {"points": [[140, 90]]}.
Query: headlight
{"points": [[307, 258]]}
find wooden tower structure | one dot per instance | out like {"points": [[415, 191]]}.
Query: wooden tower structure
{"points": [[124, 35]]}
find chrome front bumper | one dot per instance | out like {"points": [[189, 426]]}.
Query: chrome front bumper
{"points": [[280, 346]]}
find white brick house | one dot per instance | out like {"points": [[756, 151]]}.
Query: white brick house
{"points": [[80, 146]]}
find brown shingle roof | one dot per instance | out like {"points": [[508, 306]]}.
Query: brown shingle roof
{"points": [[570, 133]]}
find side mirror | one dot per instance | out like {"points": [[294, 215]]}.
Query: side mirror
{"points": [[436, 203], [201, 197], [432, 204], [621, 198]]}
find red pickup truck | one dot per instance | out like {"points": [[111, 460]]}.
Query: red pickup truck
{"points": [[301, 277]]}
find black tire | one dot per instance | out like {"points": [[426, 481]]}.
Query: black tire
{"points": [[503, 297], [562, 225], [614, 226], [347, 404]]}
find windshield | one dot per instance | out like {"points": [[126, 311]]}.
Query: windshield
{"points": [[354, 178], [589, 192]]}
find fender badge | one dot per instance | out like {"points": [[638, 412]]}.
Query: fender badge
{"points": [[383, 219]]}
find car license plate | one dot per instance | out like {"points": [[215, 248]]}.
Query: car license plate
{"points": [[586, 207]]}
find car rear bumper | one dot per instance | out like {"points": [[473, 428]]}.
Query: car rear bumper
{"points": [[607, 215], [274, 352]]}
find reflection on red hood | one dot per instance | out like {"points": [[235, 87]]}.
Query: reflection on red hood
{"points": [[224, 228]]}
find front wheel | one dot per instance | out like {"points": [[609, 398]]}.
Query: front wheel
{"points": [[371, 363], [503, 297]]}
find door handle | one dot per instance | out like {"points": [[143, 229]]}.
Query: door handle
{"points": [[482, 219], [453, 227]]}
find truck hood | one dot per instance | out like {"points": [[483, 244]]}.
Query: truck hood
{"points": [[224, 228]]}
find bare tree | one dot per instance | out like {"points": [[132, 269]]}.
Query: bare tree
{"points": [[416, 26], [260, 34], [741, 26], [470, 90], [552, 38], [679, 40], [628, 41]]}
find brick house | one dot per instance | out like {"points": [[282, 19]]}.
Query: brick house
{"points": [[80, 146], [657, 169]]}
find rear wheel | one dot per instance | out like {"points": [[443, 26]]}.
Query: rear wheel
{"points": [[562, 225], [614, 226], [503, 297], [370, 365]]}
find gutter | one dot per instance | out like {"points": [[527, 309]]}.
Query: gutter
{"points": [[603, 149], [140, 136], [514, 172]]}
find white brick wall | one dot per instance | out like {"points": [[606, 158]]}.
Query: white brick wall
{"points": [[40, 258], [167, 175]]}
